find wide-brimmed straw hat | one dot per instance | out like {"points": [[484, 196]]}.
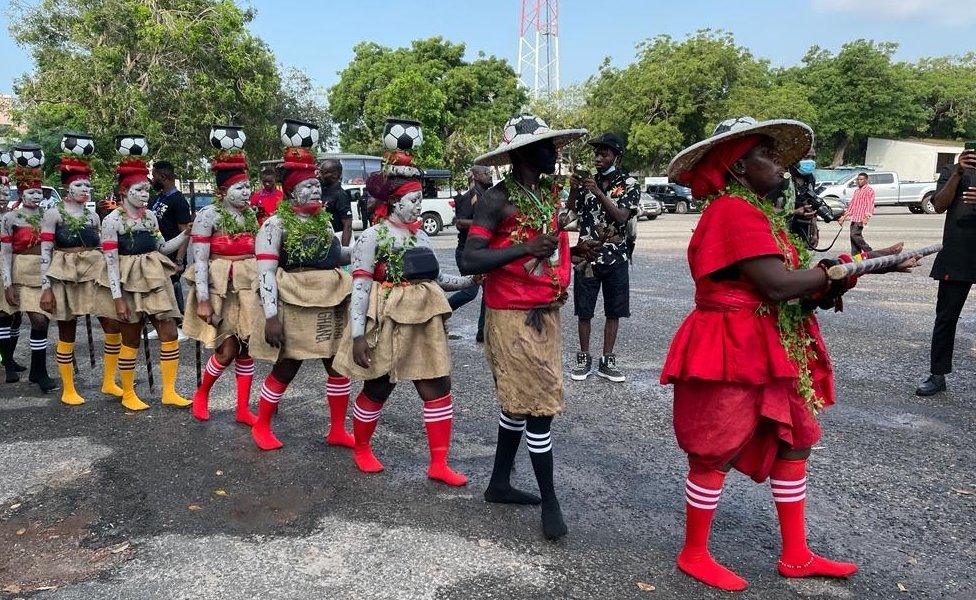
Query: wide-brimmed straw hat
{"points": [[522, 130], [791, 142]]}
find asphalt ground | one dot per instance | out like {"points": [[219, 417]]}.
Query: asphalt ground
{"points": [[96, 502]]}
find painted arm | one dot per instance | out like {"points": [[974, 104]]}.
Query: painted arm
{"points": [[266, 248], [49, 224], [452, 283], [6, 247], [110, 247], [201, 233], [363, 263], [479, 258], [170, 246]]}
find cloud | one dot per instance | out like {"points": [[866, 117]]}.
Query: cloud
{"points": [[945, 12]]}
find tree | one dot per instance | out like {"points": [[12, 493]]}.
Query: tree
{"points": [[168, 69], [947, 90], [458, 103]]}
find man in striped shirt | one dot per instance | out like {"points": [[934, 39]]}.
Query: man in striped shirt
{"points": [[859, 212]]}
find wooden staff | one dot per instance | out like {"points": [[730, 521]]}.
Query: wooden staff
{"points": [[881, 263], [199, 380], [145, 344], [91, 344]]}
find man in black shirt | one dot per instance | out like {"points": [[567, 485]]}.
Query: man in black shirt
{"points": [[955, 266], [335, 198], [479, 179], [173, 213]]}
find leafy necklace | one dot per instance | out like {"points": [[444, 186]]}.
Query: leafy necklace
{"points": [[228, 223], [129, 229], [305, 239], [34, 220], [389, 253], [792, 319], [74, 224], [533, 212]]}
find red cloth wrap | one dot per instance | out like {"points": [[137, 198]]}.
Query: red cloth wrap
{"points": [[300, 164], [411, 185], [24, 238], [266, 257], [108, 245], [735, 388], [512, 287], [131, 171], [241, 244], [479, 231], [236, 178], [72, 169], [710, 175], [362, 274], [47, 236], [27, 179]]}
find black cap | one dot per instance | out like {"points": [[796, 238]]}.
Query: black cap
{"points": [[609, 140]]}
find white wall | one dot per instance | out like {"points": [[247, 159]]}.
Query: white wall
{"points": [[912, 160]]}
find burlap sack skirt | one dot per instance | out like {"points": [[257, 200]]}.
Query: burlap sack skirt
{"points": [[25, 278], [74, 282], [146, 287], [405, 333], [233, 298], [527, 364], [312, 307]]}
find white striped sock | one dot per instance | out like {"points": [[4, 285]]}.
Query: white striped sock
{"points": [[40, 344], [269, 395], [788, 491], [510, 423], [366, 416], [444, 413], [4, 333], [244, 367], [538, 443], [214, 368], [701, 497], [338, 389]]}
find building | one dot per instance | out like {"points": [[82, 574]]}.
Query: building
{"points": [[912, 159]]}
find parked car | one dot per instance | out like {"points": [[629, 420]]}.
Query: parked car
{"points": [[51, 196], [650, 208], [888, 191], [199, 200], [437, 207], [673, 197]]}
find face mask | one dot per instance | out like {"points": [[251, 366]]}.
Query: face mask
{"points": [[806, 166]]}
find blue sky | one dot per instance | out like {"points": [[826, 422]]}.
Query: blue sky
{"points": [[318, 35]]}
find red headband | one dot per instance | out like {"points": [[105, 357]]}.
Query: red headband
{"points": [[410, 186], [229, 168], [27, 179], [72, 169], [300, 165], [710, 175], [131, 171]]}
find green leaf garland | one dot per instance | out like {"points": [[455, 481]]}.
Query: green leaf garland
{"points": [[228, 223], [305, 239], [392, 256], [74, 224]]}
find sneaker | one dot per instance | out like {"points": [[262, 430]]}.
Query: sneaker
{"points": [[180, 336], [608, 368], [152, 335], [584, 364]]}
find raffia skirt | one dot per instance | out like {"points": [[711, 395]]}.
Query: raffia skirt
{"points": [[74, 282], [312, 307], [527, 364], [25, 279], [405, 333], [146, 287], [233, 297]]}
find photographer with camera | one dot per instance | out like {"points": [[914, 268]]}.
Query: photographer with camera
{"points": [[803, 221]]}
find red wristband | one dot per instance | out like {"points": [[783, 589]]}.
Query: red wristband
{"points": [[47, 236], [479, 231], [108, 245], [266, 257], [362, 274], [201, 239]]}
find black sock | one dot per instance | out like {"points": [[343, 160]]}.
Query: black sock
{"points": [[6, 347], [500, 487], [539, 441], [38, 367]]}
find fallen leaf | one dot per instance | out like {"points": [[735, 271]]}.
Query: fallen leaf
{"points": [[120, 548], [645, 586], [964, 491], [902, 588], [15, 506], [220, 492], [195, 507], [21, 531]]}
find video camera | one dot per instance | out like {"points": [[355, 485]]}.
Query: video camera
{"points": [[806, 196]]}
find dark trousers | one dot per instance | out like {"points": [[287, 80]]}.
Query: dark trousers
{"points": [[858, 244], [952, 297], [462, 297]]}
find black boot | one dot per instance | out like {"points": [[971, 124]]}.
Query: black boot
{"points": [[932, 386], [500, 488], [38, 368], [539, 441], [9, 366]]}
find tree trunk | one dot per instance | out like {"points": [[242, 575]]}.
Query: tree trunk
{"points": [[842, 145]]}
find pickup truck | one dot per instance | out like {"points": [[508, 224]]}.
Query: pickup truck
{"points": [[888, 191]]}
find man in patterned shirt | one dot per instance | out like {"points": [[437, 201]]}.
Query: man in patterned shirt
{"points": [[859, 212], [604, 204]]}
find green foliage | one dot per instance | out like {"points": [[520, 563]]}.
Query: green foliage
{"points": [[168, 69], [458, 102]]}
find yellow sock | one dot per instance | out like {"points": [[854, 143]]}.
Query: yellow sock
{"points": [[169, 362], [127, 374], [65, 352], [110, 360]]}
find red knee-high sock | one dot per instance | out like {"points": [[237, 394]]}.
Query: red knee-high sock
{"points": [[788, 482], [438, 418], [365, 414], [337, 396], [244, 374], [201, 399], [702, 491], [271, 393]]}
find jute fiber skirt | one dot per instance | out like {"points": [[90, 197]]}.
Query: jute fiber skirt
{"points": [[527, 364], [233, 297], [74, 282], [405, 333], [146, 287], [25, 279], [312, 307]]}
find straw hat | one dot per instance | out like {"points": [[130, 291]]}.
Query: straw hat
{"points": [[522, 130]]}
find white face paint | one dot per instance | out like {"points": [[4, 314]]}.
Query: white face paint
{"points": [[407, 209], [32, 198], [138, 195], [79, 191], [308, 191], [238, 195]]}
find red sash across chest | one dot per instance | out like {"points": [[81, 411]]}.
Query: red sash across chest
{"points": [[241, 244], [23, 239]]}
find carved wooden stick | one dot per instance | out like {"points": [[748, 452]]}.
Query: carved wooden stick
{"points": [[872, 265]]}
